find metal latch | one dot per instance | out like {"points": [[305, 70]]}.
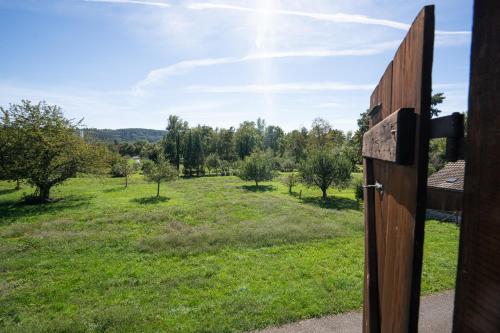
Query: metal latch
{"points": [[379, 187]]}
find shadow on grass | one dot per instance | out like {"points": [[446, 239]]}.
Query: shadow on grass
{"points": [[8, 191], [331, 202], [114, 189], [150, 200], [14, 209], [260, 188]]}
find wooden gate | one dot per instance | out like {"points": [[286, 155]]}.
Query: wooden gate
{"points": [[395, 152]]}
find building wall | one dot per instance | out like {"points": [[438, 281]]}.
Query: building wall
{"points": [[440, 199]]}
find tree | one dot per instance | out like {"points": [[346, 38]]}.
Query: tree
{"points": [[226, 144], [151, 151], [225, 168], [213, 163], [173, 140], [159, 171], [324, 168], [124, 166], [194, 157], [437, 154], [248, 139], [296, 143], [257, 167], [261, 126], [274, 139], [436, 99], [287, 164], [319, 135], [290, 180], [49, 147], [357, 139], [11, 164]]}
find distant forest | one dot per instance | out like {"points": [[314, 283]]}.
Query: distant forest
{"points": [[129, 135]]}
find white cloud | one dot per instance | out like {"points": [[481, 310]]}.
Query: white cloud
{"points": [[281, 87], [337, 17], [159, 74], [133, 2], [182, 67]]}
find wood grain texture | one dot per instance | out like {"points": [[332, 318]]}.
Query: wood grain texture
{"points": [[392, 139], [445, 200], [451, 126], [371, 306], [381, 95], [400, 210], [477, 300]]}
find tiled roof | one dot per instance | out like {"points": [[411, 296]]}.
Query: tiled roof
{"points": [[451, 177]]}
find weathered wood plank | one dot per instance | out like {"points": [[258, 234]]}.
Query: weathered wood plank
{"points": [[371, 308], [371, 314], [477, 299], [392, 139], [406, 195], [399, 214], [451, 126]]}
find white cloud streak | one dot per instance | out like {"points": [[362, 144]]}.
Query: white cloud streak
{"points": [[337, 17], [299, 87], [132, 2], [182, 67]]}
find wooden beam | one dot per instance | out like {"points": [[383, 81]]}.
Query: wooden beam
{"points": [[392, 139], [451, 126]]}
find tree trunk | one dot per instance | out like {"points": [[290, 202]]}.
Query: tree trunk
{"points": [[18, 184], [256, 184], [289, 189], [43, 193], [126, 181], [324, 194], [178, 152], [158, 190]]}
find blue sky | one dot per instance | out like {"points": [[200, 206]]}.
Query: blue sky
{"points": [[131, 63]]}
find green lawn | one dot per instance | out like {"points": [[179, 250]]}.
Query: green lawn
{"points": [[212, 254]]}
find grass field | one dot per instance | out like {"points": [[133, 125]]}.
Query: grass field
{"points": [[213, 254]]}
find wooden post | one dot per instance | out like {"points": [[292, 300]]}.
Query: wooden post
{"points": [[477, 299]]}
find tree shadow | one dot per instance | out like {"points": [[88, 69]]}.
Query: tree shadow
{"points": [[114, 189], [260, 188], [332, 202], [150, 200], [7, 191], [15, 209]]}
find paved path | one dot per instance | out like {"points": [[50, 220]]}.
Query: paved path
{"points": [[436, 313]]}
